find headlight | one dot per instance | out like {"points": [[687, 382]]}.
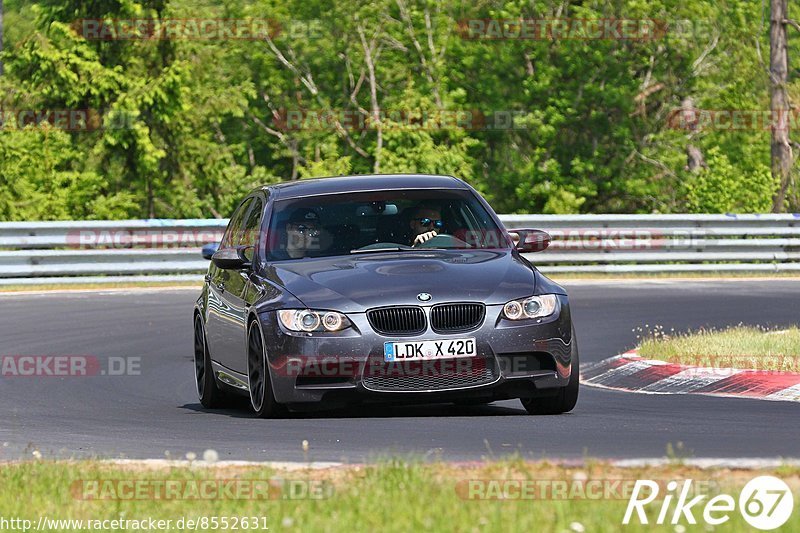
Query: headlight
{"points": [[533, 307], [308, 320]]}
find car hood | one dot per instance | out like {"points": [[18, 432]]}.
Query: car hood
{"points": [[356, 283]]}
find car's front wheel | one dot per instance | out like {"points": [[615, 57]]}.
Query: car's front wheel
{"points": [[207, 390], [262, 398], [566, 398]]}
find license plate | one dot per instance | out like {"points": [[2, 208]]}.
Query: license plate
{"points": [[420, 350]]}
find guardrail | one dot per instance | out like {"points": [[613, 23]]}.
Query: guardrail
{"points": [[666, 243], [96, 251], [105, 251]]}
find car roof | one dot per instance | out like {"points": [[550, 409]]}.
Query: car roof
{"points": [[363, 183]]}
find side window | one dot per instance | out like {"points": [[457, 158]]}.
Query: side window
{"points": [[233, 233], [252, 227]]}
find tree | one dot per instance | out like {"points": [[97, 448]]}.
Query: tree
{"points": [[562, 124], [779, 101], [1, 37]]}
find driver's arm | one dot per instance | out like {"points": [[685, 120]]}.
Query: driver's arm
{"points": [[422, 237]]}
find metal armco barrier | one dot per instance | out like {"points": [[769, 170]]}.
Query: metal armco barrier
{"points": [[96, 251], [666, 243]]}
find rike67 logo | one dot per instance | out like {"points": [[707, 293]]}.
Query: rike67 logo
{"points": [[765, 503]]}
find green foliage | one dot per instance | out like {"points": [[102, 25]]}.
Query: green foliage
{"points": [[328, 163], [36, 182], [554, 125], [721, 189]]}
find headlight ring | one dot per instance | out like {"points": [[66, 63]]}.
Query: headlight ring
{"points": [[540, 306], [311, 320]]}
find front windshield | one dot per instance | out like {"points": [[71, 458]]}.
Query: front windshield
{"points": [[367, 222]]}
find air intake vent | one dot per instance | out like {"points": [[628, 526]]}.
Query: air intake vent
{"points": [[411, 376], [450, 318], [397, 320]]}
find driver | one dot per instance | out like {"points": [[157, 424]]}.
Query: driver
{"points": [[426, 223], [302, 233]]}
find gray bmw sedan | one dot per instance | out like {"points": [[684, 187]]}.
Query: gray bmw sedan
{"points": [[382, 288]]}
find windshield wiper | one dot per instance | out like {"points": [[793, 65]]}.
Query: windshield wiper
{"points": [[387, 249], [392, 249]]}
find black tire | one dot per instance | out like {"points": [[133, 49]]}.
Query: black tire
{"points": [[566, 398], [207, 389], [262, 399]]}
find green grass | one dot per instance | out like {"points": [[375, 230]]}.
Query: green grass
{"points": [[737, 347], [390, 496]]}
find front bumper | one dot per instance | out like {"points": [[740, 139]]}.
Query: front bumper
{"points": [[515, 359]]}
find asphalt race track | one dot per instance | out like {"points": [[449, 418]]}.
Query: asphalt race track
{"points": [[146, 415]]}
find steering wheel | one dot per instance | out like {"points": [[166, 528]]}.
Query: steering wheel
{"points": [[443, 240]]}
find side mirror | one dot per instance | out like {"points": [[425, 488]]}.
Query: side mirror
{"points": [[209, 249], [530, 240], [232, 258]]}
